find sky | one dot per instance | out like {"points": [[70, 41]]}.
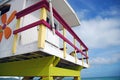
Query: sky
{"points": [[99, 30]]}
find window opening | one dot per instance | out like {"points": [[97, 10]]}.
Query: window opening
{"points": [[55, 23], [4, 8]]}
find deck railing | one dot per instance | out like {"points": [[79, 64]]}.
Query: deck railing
{"points": [[44, 5]]}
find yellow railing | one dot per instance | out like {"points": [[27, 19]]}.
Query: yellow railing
{"points": [[42, 30]]}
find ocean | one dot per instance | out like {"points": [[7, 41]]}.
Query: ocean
{"points": [[97, 78], [69, 78], [102, 78]]}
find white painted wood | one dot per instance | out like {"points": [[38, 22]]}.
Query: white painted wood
{"points": [[49, 49], [6, 44], [27, 41], [66, 11]]}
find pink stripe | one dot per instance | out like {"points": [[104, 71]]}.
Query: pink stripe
{"points": [[65, 25], [48, 26], [66, 40], [27, 27], [45, 4], [31, 9], [31, 26]]}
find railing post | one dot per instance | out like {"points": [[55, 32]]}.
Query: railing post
{"points": [[64, 43], [75, 51], [42, 29], [15, 37], [82, 56], [87, 58]]}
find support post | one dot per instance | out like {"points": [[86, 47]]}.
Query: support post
{"points": [[82, 56], [47, 78], [42, 29], [75, 51], [44, 67], [64, 43], [15, 38], [87, 58]]}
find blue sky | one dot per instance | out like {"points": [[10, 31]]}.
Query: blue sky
{"points": [[100, 30]]}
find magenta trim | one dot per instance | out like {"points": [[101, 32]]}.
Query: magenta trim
{"points": [[31, 26], [27, 27], [31, 9], [65, 25], [66, 40], [45, 4], [48, 26]]}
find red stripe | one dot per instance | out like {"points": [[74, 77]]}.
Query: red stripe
{"points": [[27, 27], [45, 4], [48, 26]]}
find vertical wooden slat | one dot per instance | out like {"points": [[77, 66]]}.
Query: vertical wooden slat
{"points": [[87, 58], [82, 56], [64, 43], [15, 38], [42, 29], [75, 51]]}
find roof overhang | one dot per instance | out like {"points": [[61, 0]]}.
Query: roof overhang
{"points": [[66, 11]]}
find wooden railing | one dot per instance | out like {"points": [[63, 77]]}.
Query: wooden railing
{"points": [[44, 4]]}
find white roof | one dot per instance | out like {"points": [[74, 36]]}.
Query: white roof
{"points": [[66, 11]]}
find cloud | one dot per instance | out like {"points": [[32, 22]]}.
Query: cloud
{"points": [[99, 32], [83, 13], [112, 11], [106, 60]]}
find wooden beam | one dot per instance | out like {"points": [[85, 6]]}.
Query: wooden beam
{"points": [[15, 38], [42, 29]]}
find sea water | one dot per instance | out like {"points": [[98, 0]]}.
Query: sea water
{"points": [[97, 78], [102, 78]]}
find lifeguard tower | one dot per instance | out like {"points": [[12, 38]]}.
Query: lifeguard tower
{"points": [[33, 40]]}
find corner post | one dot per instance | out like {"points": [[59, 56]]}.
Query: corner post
{"points": [[15, 38], [75, 51], [87, 58], [82, 55], [64, 43], [47, 78], [42, 29]]}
